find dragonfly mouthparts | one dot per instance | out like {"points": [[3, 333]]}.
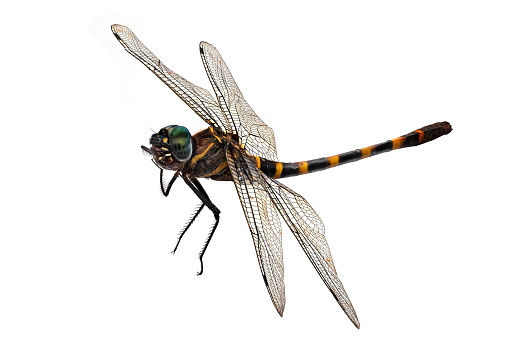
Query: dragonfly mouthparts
{"points": [[146, 149]]}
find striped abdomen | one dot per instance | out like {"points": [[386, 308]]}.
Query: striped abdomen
{"points": [[288, 169]]}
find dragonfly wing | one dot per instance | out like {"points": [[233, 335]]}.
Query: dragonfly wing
{"points": [[254, 134], [309, 230], [199, 99], [263, 221]]}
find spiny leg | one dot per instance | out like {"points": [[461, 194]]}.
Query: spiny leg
{"points": [[161, 182], [200, 193], [166, 192], [186, 227], [212, 230]]}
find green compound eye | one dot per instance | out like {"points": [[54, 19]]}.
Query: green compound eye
{"points": [[180, 142]]}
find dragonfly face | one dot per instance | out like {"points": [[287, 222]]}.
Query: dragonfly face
{"points": [[171, 144]]}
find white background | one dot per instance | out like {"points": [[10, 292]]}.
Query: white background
{"points": [[419, 236]]}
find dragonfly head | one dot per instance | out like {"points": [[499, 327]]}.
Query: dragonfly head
{"points": [[171, 143]]}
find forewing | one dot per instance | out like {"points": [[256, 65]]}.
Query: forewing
{"points": [[309, 230], [199, 99], [263, 222], [254, 134]]}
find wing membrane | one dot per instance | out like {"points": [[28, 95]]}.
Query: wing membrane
{"points": [[309, 230], [254, 134], [199, 99], [259, 195], [264, 224]]}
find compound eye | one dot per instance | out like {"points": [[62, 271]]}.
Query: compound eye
{"points": [[180, 142]]}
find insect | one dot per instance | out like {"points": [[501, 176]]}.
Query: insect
{"points": [[238, 146]]}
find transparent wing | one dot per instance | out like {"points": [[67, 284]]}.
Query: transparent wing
{"points": [[309, 230], [254, 134], [199, 99], [263, 222]]}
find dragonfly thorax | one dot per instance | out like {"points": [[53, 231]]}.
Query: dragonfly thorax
{"points": [[171, 143]]}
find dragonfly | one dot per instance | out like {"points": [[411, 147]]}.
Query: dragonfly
{"points": [[238, 146]]}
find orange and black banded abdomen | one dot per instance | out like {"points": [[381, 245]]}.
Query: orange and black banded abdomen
{"points": [[288, 169]]}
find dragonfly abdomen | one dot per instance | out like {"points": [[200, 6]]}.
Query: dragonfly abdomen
{"points": [[288, 169]]}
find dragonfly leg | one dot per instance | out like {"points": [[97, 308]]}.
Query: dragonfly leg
{"points": [[166, 192], [186, 227], [161, 182], [198, 189]]}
